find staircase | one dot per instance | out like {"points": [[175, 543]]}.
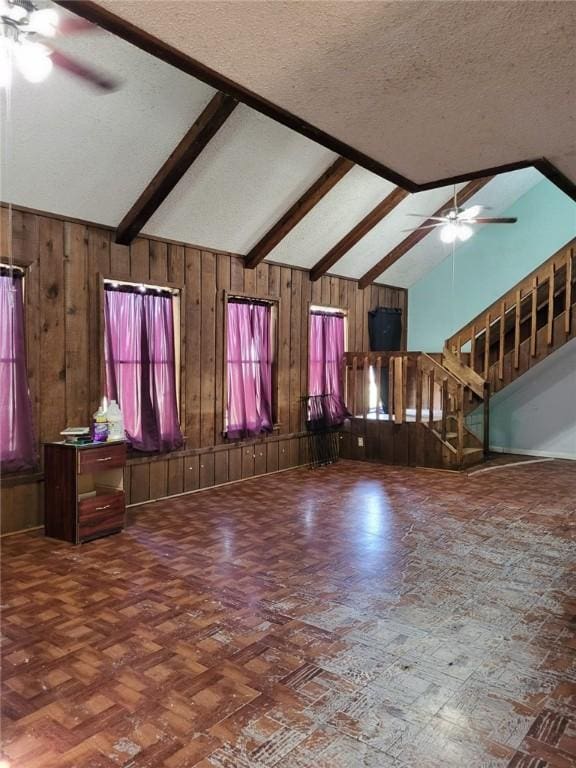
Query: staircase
{"points": [[523, 326], [415, 414], [428, 396]]}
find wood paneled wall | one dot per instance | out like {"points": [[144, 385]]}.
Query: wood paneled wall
{"points": [[64, 260]]}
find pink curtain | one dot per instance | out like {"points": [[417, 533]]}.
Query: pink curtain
{"points": [[249, 410], [17, 442], [140, 366], [326, 352]]}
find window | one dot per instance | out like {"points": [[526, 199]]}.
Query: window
{"points": [[249, 345], [17, 441], [140, 359], [326, 352]]}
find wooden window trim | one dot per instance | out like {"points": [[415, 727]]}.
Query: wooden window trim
{"points": [[179, 318], [18, 476], [274, 302], [335, 308]]}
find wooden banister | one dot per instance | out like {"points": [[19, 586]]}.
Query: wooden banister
{"points": [[463, 373], [560, 263], [422, 389]]}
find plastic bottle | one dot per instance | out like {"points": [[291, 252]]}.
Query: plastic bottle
{"points": [[100, 426], [115, 422]]}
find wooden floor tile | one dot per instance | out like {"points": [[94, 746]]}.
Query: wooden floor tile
{"points": [[355, 615]]}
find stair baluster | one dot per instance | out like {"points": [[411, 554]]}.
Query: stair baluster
{"points": [[517, 313], [568, 295], [501, 340], [550, 328], [487, 347], [534, 317]]}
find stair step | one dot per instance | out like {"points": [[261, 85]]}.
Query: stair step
{"points": [[469, 451]]}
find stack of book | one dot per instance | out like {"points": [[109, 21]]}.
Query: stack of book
{"points": [[77, 435]]}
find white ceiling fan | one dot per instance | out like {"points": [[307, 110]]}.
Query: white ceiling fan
{"points": [[455, 222], [26, 32]]}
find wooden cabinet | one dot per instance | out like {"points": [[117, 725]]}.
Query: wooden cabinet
{"points": [[84, 490]]}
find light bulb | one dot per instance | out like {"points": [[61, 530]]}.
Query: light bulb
{"points": [[45, 22], [448, 233], [34, 61], [464, 232]]}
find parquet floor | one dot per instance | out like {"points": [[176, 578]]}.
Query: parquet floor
{"points": [[355, 616]]}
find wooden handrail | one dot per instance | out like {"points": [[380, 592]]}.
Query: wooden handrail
{"points": [[559, 261], [427, 362], [465, 375], [371, 358], [420, 389]]}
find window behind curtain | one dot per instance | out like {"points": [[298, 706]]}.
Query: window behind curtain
{"points": [[140, 365], [326, 352], [17, 441], [249, 368]]}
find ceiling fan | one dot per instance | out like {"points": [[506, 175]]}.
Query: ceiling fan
{"points": [[25, 32], [454, 223]]}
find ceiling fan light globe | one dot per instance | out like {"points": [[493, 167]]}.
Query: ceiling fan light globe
{"points": [[448, 233], [470, 213], [44, 22], [34, 61], [464, 232]]}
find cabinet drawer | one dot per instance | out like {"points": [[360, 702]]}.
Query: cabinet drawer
{"points": [[100, 515], [105, 457]]}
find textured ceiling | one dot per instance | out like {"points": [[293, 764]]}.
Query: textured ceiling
{"points": [[251, 172], [429, 89], [75, 152], [499, 194]]}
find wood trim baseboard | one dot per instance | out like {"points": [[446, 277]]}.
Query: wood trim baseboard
{"points": [[22, 530]]}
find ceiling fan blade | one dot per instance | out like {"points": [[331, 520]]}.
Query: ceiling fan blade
{"points": [[493, 221], [426, 217], [74, 26], [470, 213], [427, 226], [84, 72]]}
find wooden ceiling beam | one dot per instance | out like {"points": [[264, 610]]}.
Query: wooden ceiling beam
{"points": [[419, 234], [296, 213], [205, 127], [357, 233], [95, 13]]}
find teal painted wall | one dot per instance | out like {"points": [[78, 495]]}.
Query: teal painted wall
{"points": [[535, 415], [488, 265]]}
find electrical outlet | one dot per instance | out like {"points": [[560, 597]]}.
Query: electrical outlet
{"points": [[360, 442]]}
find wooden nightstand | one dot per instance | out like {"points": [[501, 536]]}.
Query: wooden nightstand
{"points": [[84, 490]]}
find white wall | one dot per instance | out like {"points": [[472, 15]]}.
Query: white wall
{"points": [[536, 414]]}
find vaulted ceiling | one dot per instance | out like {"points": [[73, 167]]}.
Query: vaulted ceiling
{"points": [[82, 154], [428, 89]]}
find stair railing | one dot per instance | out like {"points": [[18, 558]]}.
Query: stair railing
{"points": [[442, 398], [529, 315], [419, 388]]}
